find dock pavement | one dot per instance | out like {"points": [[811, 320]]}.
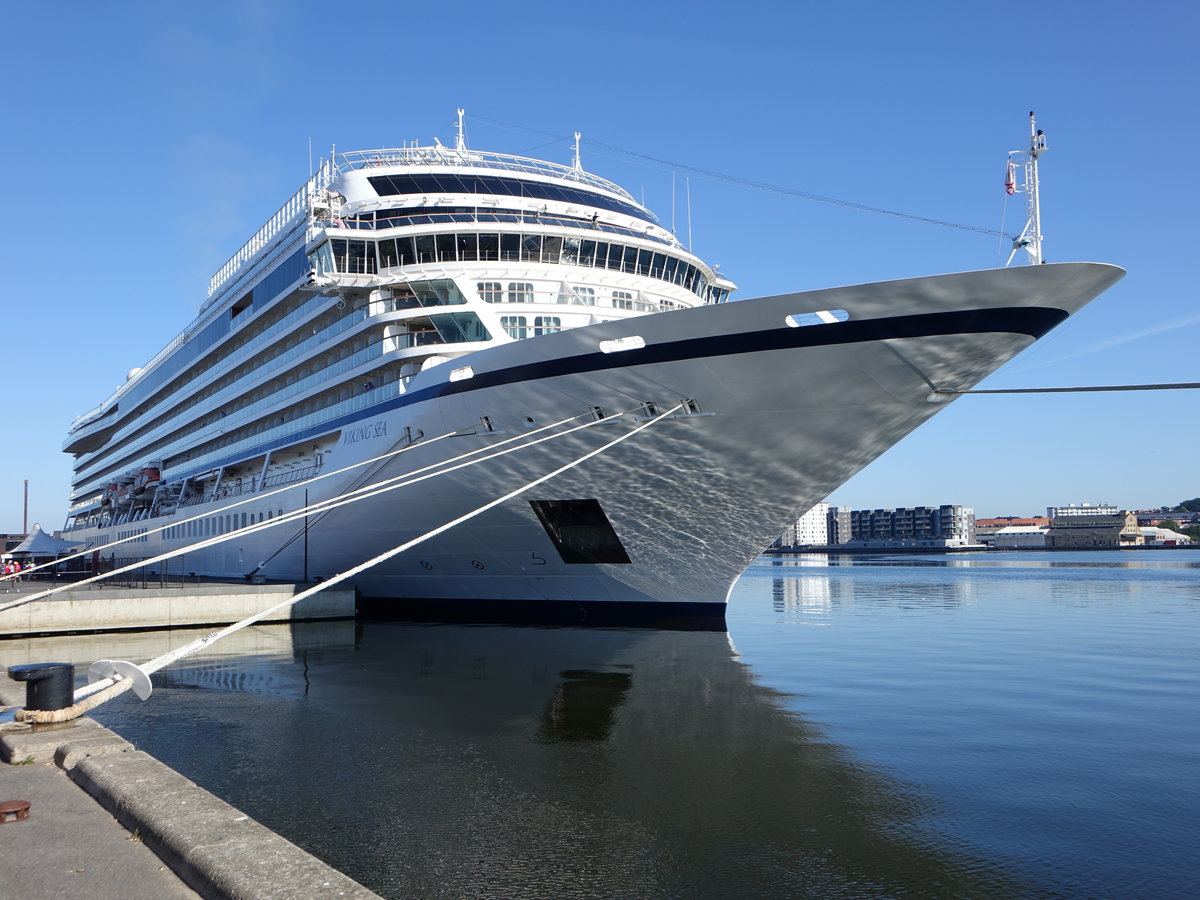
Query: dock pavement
{"points": [[110, 822]]}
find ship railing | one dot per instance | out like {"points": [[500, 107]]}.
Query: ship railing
{"points": [[82, 419], [237, 489], [418, 339], [288, 427], [352, 318], [194, 499], [165, 573], [472, 159], [489, 218], [283, 478], [295, 210]]}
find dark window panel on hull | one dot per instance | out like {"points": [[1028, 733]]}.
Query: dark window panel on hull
{"points": [[580, 531]]}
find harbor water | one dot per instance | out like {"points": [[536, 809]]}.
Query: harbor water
{"points": [[969, 725]]}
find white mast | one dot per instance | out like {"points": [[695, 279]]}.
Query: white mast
{"points": [[577, 164], [1030, 239], [460, 140]]}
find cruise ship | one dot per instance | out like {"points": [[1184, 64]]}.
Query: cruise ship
{"points": [[488, 319]]}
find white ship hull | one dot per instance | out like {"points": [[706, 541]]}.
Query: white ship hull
{"points": [[786, 414]]}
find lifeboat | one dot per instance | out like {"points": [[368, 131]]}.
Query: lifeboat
{"points": [[124, 491], [146, 480]]}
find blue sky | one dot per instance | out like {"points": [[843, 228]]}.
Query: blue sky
{"points": [[147, 141]]}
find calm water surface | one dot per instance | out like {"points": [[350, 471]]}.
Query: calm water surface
{"points": [[1016, 725]]}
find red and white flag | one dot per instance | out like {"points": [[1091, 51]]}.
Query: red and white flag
{"points": [[1010, 180]]}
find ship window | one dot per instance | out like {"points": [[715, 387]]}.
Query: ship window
{"points": [[645, 257], [457, 328], [587, 253], [601, 254], [631, 256], [586, 294], [551, 249], [491, 291], [426, 248], [580, 531], [354, 257], [546, 325], [510, 246], [489, 247], [387, 253], [437, 292], [622, 300], [241, 306], [516, 326], [570, 251], [520, 292], [446, 247], [397, 252], [531, 247]]}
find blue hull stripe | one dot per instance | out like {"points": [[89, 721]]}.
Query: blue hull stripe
{"points": [[1034, 321]]}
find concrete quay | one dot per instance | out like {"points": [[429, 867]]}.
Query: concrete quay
{"points": [[144, 833], [119, 608]]}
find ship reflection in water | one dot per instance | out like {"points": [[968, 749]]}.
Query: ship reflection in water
{"points": [[472, 761]]}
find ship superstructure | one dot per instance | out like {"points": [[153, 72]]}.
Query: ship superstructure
{"points": [[416, 291]]}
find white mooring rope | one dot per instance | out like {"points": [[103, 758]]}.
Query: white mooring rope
{"points": [[258, 498], [321, 506], [92, 695]]}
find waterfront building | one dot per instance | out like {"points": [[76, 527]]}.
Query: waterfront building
{"points": [[1080, 509], [1164, 537], [1150, 518], [948, 525], [987, 529], [1092, 529], [1018, 537], [837, 524], [810, 530], [10, 541]]}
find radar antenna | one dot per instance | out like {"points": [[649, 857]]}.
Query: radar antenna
{"points": [[1030, 239]]}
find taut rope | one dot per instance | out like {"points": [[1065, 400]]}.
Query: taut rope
{"points": [[99, 689]]}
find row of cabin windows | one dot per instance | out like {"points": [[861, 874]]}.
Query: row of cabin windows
{"points": [[364, 257], [523, 292], [214, 525], [518, 326]]}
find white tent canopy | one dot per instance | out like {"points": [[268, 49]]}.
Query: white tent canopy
{"points": [[38, 543]]}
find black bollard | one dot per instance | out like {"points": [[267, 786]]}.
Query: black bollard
{"points": [[48, 685]]}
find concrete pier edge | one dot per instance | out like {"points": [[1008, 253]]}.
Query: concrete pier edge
{"points": [[114, 608], [217, 850]]}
